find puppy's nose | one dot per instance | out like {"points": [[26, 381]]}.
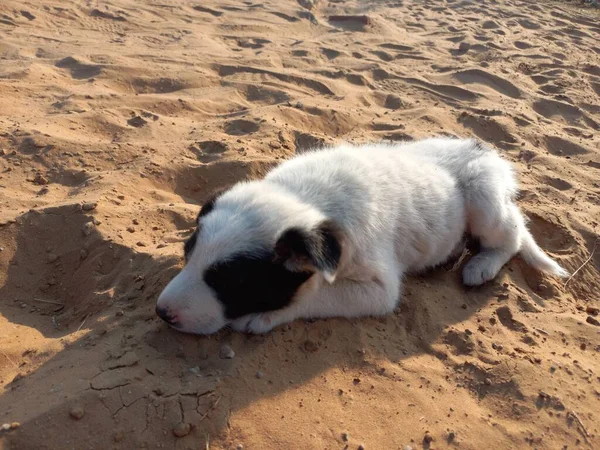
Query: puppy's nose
{"points": [[163, 313]]}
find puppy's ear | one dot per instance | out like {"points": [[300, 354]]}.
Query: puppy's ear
{"points": [[313, 250]]}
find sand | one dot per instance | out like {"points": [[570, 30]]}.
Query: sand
{"points": [[117, 120]]}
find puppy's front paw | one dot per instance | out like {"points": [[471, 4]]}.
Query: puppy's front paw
{"points": [[261, 323], [255, 323]]}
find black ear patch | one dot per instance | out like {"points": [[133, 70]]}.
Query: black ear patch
{"points": [[207, 207], [317, 249]]}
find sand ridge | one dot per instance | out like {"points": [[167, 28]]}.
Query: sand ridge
{"points": [[119, 118]]}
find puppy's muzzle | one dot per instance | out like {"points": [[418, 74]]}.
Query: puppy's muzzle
{"points": [[165, 315]]}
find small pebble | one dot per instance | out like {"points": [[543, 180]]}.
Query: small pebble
{"points": [[451, 436], [14, 425], [226, 352], [6, 427], [77, 412], [361, 447], [194, 370], [52, 257], [239, 447], [87, 228], [182, 429], [311, 346], [345, 437], [428, 438], [118, 436], [259, 374], [88, 206], [592, 310], [592, 321], [487, 381], [159, 391]]}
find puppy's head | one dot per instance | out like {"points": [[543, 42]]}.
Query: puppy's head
{"points": [[254, 247]]}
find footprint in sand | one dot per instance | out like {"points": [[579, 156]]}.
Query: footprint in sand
{"points": [[551, 237], [240, 127], [208, 151], [489, 80], [487, 129], [552, 109], [562, 147], [78, 69], [305, 142], [558, 183]]}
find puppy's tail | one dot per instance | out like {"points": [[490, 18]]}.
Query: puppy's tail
{"points": [[535, 257]]}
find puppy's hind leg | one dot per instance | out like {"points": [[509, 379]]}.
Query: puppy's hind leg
{"points": [[493, 218]]}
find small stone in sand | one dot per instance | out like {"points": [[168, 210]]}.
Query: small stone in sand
{"points": [[592, 321], [345, 437], [118, 436], [40, 179], [77, 412], [451, 436], [88, 206], [14, 425], [226, 352], [488, 381], [361, 447], [592, 310], [259, 374], [6, 427], [428, 438], [87, 228], [181, 429]]}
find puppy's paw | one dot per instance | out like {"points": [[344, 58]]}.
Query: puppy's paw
{"points": [[479, 270], [261, 323], [255, 323]]}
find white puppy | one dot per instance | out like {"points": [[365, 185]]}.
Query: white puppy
{"points": [[332, 233]]}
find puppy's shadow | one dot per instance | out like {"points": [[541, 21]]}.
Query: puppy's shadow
{"points": [[129, 371]]}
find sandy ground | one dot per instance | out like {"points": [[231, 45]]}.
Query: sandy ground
{"points": [[118, 118]]}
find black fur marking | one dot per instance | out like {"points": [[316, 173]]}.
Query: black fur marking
{"points": [[207, 207], [189, 244], [250, 284], [321, 248], [209, 204]]}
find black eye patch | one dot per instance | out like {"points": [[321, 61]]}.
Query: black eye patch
{"points": [[250, 284]]}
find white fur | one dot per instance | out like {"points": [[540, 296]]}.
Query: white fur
{"points": [[402, 207]]}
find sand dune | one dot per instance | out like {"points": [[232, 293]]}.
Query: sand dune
{"points": [[117, 120]]}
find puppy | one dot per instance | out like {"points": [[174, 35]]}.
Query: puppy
{"points": [[332, 233]]}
